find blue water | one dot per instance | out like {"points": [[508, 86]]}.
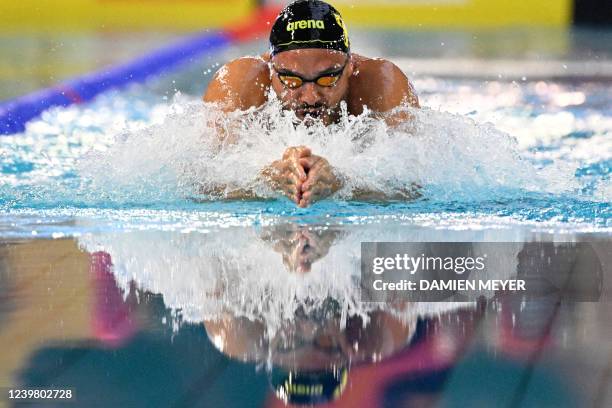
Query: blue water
{"points": [[148, 263], [51, 184]]}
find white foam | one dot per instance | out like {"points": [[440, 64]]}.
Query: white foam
{"points": [[241, 271], [452, 156]]}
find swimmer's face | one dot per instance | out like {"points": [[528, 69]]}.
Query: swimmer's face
{"points": [[311, 99]]}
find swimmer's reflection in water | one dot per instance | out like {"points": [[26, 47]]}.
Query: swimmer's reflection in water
{"points": [[313, 73], [300, 247], [308, 357]]}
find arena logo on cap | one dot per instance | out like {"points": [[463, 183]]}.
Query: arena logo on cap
{"points": [[304, 24]]}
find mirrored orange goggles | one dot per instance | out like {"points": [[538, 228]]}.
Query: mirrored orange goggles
{"points": [[292, 80]]}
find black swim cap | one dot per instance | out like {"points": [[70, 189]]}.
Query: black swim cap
{"points": [[309, 24], [308, 388]]}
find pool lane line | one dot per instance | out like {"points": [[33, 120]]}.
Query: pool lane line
{"points": [[508, 69], [15, 113]]}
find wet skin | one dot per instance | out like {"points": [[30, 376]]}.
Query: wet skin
{"points": [[313, 342], [375, 83]]}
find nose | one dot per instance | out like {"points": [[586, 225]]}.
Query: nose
{"points": [[309, 94]]}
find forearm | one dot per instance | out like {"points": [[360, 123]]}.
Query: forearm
{"points": [[375, 195], [225, 192], [251, 191]]}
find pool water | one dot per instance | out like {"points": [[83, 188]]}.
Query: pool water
{"points": [[161, 316], [484, 152], [122, 281]]}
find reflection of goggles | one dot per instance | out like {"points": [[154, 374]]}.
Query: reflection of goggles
{"points": [[292, 80], [312, 387]]}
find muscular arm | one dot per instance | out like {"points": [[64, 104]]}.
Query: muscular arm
{"points": [[381, 86], [237, 86], [240, 84], [244, 83]]}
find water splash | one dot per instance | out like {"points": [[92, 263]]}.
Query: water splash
{"points": [[244, 271], [126, 151], [452, 157]]}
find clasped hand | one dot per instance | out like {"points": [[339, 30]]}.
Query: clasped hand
{"points": [[302, 176]]}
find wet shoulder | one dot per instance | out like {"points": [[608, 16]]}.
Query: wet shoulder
{"points": [[240, 84], [378, 84]]}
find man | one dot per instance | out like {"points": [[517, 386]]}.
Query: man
{"points": [[311, 70]]}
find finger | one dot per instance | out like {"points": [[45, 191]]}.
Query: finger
{"points": [[318, 192], [312, 180], [317, 165], [292, 190], [318, 176], [297, 151], [309, 162], [319, 180], [303, 201], [303, 151], [293, 179], [307, 185], [308, 198], [298, 169], [296, 198]]}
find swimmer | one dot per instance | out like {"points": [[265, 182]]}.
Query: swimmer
{"points": [[312, 71]]}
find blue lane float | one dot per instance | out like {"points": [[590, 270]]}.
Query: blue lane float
{"points": [[15, 113]]}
